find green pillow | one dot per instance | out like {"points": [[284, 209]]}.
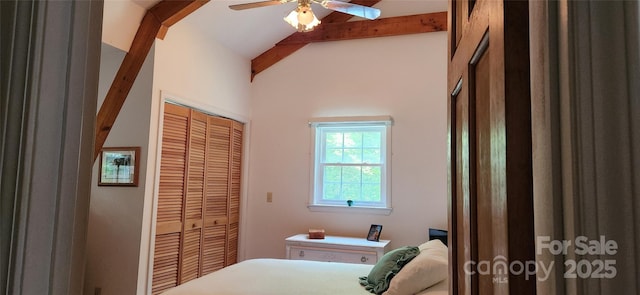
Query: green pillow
{"points": [[387, 267]]}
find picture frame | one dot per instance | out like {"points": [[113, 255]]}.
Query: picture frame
{"points": [[119, 166], [374, 233]]}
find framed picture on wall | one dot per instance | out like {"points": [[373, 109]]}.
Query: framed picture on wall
{"points": [[119, 166], [374, 232]]}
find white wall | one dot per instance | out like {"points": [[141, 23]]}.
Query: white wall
{"points": [[403, 76], [193, 70], [192, 66], [115, 220], [120, 22]]}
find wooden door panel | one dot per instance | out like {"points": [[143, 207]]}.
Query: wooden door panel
{"points": [[170, 210], [234, 192], [458, 20], [236, 167], [165, 262], [217, 194], [463, 213], [480, 81], [217, 191], [190, 268], [195, 183], [214, 242], [194, 198], [232, 244], [172, 171]]}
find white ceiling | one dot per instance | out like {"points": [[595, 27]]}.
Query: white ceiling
{"points": [[253, 31]]}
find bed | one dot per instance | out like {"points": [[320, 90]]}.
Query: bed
{"points": [[268, 276]]}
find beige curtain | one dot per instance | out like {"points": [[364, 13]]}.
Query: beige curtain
{"points": [[586, 122]]}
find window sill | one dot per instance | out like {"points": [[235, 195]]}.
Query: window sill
{"points": [[353, 209]]}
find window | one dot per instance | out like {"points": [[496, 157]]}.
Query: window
{"points": [[351, 163]]}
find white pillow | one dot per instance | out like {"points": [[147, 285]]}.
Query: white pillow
{"points": [[435, 244], [425, 270]]}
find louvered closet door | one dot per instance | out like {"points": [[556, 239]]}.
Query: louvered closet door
{"points": [[194, 197], [234, 200], [217, 194], [222, 203], [170, 198], [199, 196]]}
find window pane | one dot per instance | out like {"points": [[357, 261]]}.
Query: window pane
{"points": [[372, 139], [333, 156], [351, 175], [371, 175], [334, 139], [371, 156], [351, 191], [371, 192], [331, 191], [352, 156], [332, 174], [353, 139]]}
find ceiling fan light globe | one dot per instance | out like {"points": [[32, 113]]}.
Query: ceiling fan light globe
{"points": [[305, 16], [302, 19], [314, 22], [292, 18]]}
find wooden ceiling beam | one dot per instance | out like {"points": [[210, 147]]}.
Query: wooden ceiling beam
{"points": [[155, 23], [279, 52], [392, 26], [169, 12]]}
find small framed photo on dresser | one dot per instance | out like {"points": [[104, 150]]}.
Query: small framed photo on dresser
{"points": [[374, 233]]}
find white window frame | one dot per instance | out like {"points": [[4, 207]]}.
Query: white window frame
{"points": [[316, 149]]}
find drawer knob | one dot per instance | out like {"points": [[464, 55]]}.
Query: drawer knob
{"points": [[363, 259], [301, 254]]}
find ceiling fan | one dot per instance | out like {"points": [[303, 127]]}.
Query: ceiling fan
{"points": [[303, 19]]}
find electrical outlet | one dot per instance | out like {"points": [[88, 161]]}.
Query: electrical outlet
{"points": [[269, 197]]}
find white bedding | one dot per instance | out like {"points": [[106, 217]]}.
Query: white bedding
{"points": [[286, 277]]}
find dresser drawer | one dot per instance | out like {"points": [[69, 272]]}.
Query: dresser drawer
{"points": [[332, 255], [335, 249]]}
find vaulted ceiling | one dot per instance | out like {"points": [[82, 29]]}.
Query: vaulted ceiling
{"points": [[260, 34]]}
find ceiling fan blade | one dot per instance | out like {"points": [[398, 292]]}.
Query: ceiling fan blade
{"points": [[353, 9], [258, 4]]}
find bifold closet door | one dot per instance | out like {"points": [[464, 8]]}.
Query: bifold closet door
{"points": [[217, 194], [171, 193], [199, 196], [234, 198], [194, 198], [222, 201]]}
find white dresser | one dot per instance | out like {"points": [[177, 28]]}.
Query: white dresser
{"points": [[335, 249]]}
